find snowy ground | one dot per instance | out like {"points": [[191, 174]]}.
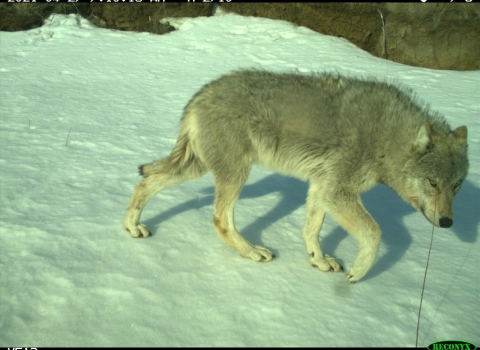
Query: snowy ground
{"points": [[82, 107]]}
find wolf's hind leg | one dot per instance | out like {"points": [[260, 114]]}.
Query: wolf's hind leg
{"points": [[227, 191], [167, 176], [311, 230]]}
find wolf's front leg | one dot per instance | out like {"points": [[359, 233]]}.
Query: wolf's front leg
{"points": [[311, 230], [350, 213]]}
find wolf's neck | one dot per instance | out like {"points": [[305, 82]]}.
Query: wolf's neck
{"points": [[397, 157]]}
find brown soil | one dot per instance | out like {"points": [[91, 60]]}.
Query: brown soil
{"points": [[442, 36]]}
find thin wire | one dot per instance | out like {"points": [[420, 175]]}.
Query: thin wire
{"points": [[425, 278]]}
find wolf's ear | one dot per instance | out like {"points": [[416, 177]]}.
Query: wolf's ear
{"points": [[423, 143], [460, 134]]}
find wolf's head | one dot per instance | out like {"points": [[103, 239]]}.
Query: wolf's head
{"points": [[435, 172]]}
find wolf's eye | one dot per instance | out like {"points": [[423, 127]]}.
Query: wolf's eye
{"points": [[457, 185], [433, 183]]}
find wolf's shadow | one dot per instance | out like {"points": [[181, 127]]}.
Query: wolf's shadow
{"points": [[386, 207]]}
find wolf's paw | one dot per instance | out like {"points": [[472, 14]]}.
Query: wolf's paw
{"points": [[139, 230], [354, 275], [327, 263], [258, 253]]}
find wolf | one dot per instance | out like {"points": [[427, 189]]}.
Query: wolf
{"points": [[342, 134]]}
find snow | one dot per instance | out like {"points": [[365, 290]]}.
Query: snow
{"points": [[81, 107]]}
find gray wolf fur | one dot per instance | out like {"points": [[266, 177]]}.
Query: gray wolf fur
{"points": [[343, 135]]}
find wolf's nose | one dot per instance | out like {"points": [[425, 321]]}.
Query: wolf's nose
{"points": [[445, 222]]}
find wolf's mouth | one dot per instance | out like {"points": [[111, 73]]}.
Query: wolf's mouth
{"points": [[422, 210]]}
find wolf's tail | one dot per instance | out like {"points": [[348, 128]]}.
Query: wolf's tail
{"points": [[182, 158]]}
